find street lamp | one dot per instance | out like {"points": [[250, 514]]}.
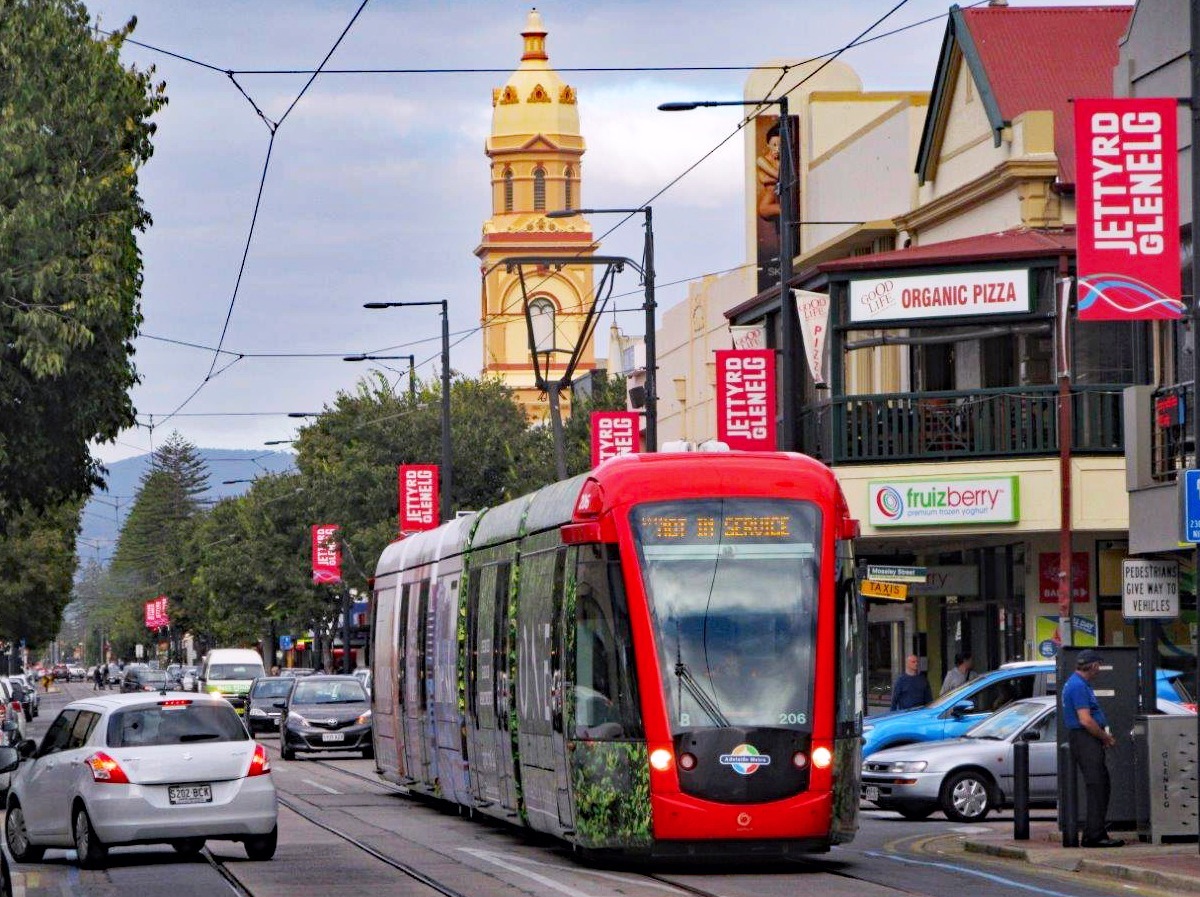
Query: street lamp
{"points": [[648, 306], [788, 323], [412, 368], [447, 464]]}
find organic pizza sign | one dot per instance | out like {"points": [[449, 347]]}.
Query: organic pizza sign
{"points": [[958, 294]]}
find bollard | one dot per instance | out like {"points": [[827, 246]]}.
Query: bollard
{"points": [[1021, 790], [1068, 817]]}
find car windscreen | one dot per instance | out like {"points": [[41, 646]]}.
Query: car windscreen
{"points": [[271, 688], [226, 671], [174, 722], [329, 691], [1005, 722], [151, 676]]}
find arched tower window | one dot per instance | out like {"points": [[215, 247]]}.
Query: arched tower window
{"points": [[539, 189], [569, 188], [508, 190], [541, 315]]}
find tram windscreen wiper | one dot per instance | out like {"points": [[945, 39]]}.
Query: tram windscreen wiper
{"points": [[688, 682]]}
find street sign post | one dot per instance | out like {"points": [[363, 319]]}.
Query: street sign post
{"points": [[896, 574], [285, 643], [1189, 506], [892, 591]]}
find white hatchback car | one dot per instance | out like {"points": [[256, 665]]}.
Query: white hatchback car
{"points": [[141, 769]]}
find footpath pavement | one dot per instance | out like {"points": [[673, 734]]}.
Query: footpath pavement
{"points": [[1174, 867]]}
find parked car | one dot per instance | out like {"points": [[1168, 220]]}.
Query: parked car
{"points": [[138, 678], [136, 768], [263, 712], [188, 678], [59, 671], [956, 711], [297, 672], [326, 713], [115, 673], [26, 694], [13, 716], [968, 777], [363, 675], [76, 673]]}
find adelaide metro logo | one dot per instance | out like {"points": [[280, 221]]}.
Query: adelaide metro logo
{"points": [[745, 759], [889, 503]]}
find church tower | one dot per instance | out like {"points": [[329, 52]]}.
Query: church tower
{"points": [[535, 150]]}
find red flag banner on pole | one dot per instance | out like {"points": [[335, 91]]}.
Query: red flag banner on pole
{"points": [[148, 610], [615, 433], [418, 493], [326, 554], [746, 399], [1127, 208]]}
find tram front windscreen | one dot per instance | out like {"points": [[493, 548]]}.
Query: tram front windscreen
{"points": [[732, 585]]}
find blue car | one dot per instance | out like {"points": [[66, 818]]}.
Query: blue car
{"points": [[956, 711]]}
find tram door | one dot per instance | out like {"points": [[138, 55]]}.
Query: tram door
{"points": [[502, 646], [559, 685], [384, 697], [481, 716]]}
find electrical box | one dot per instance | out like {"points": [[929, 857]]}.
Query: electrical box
{"points": [[1165, 756]]}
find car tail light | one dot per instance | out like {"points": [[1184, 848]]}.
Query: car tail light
{"points": [[259, 764], [105, 769], [177, 702], [16, 705]]}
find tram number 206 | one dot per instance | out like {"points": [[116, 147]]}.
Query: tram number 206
{"points": [[793, 719]]}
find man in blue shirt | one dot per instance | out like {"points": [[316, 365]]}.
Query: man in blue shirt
{"points": [[911, 689], [1087, 732]]}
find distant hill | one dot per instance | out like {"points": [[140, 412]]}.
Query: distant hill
{"points": [[106, 511]]}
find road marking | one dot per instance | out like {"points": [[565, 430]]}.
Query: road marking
{"points": [[319, 785], [999, 879], [971, 829], [505, 861]]}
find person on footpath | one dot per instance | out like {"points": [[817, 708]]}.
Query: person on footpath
{"points": [[104, 677], [95, 678], [911, 688], [960, 674], [1088, 735]]}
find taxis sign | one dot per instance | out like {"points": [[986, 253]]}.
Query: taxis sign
{"points": [[891, 591]]}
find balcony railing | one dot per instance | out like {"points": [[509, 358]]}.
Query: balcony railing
{"points": [[995, 423]]}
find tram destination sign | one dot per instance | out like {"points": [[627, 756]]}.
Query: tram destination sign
{"points": [[1150, 590]]}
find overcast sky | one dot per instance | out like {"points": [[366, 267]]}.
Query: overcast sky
{"points": [[378, 184]]}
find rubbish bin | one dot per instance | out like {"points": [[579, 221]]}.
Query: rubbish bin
{"points": [[1165, 757]]}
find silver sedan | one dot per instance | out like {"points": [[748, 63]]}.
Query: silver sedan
{"points": [[141, 769]]}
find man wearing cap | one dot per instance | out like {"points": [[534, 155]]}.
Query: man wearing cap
{"points": [[1087, 732]]}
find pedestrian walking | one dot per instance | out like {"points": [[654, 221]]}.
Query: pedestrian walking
{"points": [[1088, 735], [104, 677], [911, 688], [95, 678], [961, 673]]}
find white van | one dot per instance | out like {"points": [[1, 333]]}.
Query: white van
{"points": [[228, 672]]}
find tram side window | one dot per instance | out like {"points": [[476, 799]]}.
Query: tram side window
{"points": [[606, 698], [473, 645], [850, 657]]}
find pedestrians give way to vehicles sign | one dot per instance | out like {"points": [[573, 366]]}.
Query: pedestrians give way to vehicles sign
{"points": [[1150, 590], [893, 591]]}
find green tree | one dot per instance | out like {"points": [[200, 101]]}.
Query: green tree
{"points": [[74, 129], [37, 565]]}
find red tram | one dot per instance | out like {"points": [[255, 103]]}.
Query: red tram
{"points": [[661, 657]]}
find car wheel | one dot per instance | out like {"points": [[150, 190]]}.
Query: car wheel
{"points": [[915, 812], [285, 751], [91, 852], [17, 838], [966, 796], [262, 847], [189, 847]]}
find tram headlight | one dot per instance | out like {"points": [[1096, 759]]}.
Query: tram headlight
{"points": [[661, 759], [687, 762], [822, 757], [799, 760]]}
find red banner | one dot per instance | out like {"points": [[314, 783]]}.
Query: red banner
{"points": [[1048, 577], [418, 493], [156, 615], [615, 433], [326, 554], [746, 399], [1127, 209]]}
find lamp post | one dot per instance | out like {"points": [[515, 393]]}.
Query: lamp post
{"points": [[412, 368], [648, 306], [788, 323], [447, 462]]}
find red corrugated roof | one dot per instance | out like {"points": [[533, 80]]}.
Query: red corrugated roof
{"points": [[1010, 244], [1043, 57]]}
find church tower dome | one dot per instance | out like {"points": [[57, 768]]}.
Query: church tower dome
{"points": [[535, 149]]}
